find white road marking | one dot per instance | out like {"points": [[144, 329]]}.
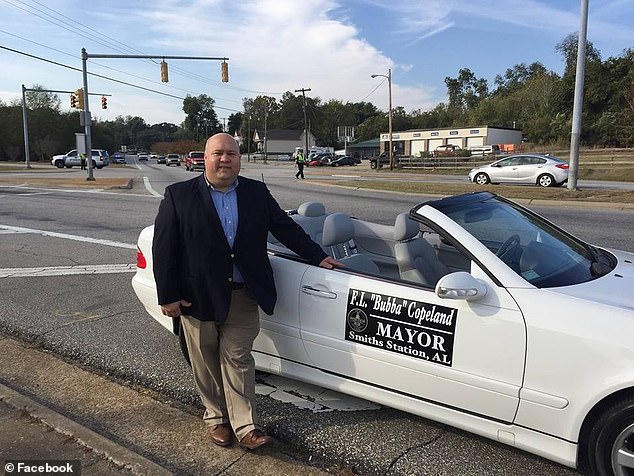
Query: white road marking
{"points": [[85, 239], [67, 270], [149, 188]]}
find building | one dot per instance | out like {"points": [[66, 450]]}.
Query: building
{"points": [[364, 149], [416, 141], [281, 141]]}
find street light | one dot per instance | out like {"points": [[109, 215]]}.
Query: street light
{"points": [[389, 114]]}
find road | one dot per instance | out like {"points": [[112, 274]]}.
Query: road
{"points": [[73, 304]]}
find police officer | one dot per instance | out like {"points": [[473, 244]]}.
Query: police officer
{"points": [[300, 165]]}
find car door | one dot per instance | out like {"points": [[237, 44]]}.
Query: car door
{"points": [[506, 170], [529, 169], [279, 333], [403, 337]]}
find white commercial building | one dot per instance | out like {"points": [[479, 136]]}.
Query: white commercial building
{"points": [[416, 141]]}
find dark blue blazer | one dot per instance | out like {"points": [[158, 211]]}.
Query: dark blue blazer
{"points": [[193, 261]]}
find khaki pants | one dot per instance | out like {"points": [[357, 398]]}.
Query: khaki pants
{"points": [[222, 364]]}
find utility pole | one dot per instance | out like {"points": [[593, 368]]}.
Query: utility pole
{"points": [[303, 91], [575, 134], [249, 137]]}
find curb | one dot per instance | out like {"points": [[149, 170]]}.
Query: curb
{"points": [[87, 438]]}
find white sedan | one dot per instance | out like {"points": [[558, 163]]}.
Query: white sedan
{"points": [[472, 311]]}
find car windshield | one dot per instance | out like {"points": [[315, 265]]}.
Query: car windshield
{"points": [[536, 249]]}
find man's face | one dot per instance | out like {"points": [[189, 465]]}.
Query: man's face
{"points": [[222, 160]]}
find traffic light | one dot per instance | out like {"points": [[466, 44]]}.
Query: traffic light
{"points": [[225, 72], [164, 71], [73, 100], [80, 98], [104, 102]]}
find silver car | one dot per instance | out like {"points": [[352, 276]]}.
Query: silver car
{"points": [[539, 169]]}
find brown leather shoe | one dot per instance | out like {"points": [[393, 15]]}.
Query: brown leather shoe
{"points": [[254, 439], [221, 434]]}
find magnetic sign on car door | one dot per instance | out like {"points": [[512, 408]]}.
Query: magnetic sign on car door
{"points": [[417, 329]]}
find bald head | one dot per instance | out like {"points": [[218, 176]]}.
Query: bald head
{"points": [[222, 160]]}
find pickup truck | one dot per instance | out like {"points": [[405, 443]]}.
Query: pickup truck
{"points": [[379, 161], [100, 158], [195, 160]]}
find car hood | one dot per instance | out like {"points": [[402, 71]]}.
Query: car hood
{"points": [[613, 289]]}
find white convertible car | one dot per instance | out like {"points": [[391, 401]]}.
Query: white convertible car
{"points": [[472, 311]]}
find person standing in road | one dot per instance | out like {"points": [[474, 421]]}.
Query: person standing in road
{"points": [[300, 165], [212, 270], [82, 161]]}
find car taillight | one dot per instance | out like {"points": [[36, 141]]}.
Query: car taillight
{"points": [[140, 259], [562, 166]]}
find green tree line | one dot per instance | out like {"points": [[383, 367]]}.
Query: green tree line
{"points": [[526, 96]]}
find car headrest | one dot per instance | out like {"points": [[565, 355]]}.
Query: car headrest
{"points": [[338, 228], [311, 209], [405, 228]]}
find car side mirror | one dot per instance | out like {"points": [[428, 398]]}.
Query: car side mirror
{"points": [[460, 285]]}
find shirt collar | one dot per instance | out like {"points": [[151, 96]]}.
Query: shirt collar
{"points": [[213, 189]]}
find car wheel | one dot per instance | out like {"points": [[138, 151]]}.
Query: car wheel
{"points": [[481, 179], [183, 344], [373, 165], [545, 180], [337, 165], [59, 164], [611, 441], [167, 164]]}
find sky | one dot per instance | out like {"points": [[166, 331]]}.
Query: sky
{"points": [[332, 47]]}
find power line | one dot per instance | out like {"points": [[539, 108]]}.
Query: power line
{"points": [[106, 77], [90, 33]]}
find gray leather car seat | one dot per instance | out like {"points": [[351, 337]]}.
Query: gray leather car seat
{"points": [[310, 216], [338, 236], [415, 257]]}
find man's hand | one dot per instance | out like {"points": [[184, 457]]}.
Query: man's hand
{"points": [[329, 262], [173, 309]]}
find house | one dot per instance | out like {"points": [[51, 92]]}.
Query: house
{"points": [[281, 141]]}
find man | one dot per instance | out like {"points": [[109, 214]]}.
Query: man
{"points": [[300, 164], [211, 268]]}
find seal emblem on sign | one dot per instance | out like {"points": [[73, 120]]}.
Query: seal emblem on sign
{"points": [[357, 320]]}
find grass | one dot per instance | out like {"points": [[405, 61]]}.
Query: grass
{"points": [[516, 192]]}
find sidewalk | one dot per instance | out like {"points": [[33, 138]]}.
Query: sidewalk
{"points": [[112, 429]]}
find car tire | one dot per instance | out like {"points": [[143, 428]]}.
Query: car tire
{"points": [[372, 164], [545, 180], [59, 164], [612, 433], [183, 344], [481, 179]]}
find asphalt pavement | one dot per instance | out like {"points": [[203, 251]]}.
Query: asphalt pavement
{"points": [[52, 411]]}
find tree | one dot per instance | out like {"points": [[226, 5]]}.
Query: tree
{"points": [[201, 120]]}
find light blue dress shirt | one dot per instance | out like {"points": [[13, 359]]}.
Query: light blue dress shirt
{"points": [[226, 204]]}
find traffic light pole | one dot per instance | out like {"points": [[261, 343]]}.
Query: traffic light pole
{"points": [[25, 123], [86, 117], [86, 112]]}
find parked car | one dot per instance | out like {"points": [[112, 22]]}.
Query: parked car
{"points": [[542, 170], [344, 160], [118, 158], [195, 160], [100, 158], [172, 159], [483, 315], [321, 159], [142, 156], [447, 150]]}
